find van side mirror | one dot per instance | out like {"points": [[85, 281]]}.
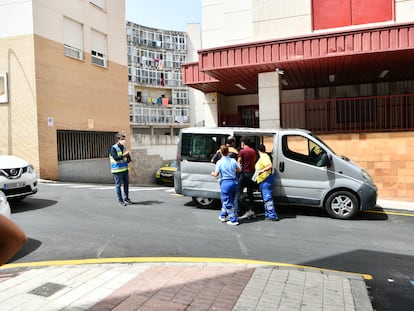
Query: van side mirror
{"points": [[324, 160]]}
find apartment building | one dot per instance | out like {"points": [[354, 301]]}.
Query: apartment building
{"points": [[65, 65], [159, 102], [160, 105], [339, 68]]}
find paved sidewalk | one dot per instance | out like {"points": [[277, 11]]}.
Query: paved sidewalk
{"points": [[180, 286]]}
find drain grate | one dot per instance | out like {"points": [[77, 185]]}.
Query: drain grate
{"points": [[47, 289]]}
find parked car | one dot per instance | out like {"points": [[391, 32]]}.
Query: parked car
{"points": [[165, 174], [307, 171], [17, 177], [4, 206]]}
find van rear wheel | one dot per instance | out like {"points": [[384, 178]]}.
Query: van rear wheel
{"points": [[204, 202], [342, 205]]}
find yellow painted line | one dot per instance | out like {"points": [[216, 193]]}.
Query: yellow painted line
{"points": [[172, 259], [390, 213]]}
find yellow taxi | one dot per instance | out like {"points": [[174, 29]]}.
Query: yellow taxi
{"points": [[165, 174]]}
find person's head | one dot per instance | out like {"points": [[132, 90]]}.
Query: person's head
{"points": [[224, 150], [245, 141], [231, 141], [261, 148], [120, 138]]}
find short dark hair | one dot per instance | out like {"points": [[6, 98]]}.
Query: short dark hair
{"points": [[118, 136], [262, 148], [245, 140], [230, 140]]}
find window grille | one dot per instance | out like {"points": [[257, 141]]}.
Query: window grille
{"points": [[81, 145]]}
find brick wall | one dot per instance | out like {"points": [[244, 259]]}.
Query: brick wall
{"points": [[388, 158], [79, 96]]}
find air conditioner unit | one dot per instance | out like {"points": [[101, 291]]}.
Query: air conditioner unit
{"points": [[73, 52], [4, 93]]}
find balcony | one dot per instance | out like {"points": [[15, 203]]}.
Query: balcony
{"points": [[143, 114]]}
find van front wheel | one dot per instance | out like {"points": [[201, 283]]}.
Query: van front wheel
{"points": [[342, 205], [204, 202]]}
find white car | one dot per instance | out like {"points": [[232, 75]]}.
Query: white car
{"points": [[4, 206], [17, 177]]}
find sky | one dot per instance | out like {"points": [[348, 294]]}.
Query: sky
{"points": [[163, 14]]}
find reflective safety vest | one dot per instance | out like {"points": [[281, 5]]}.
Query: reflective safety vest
{"points": [[120, 165]]}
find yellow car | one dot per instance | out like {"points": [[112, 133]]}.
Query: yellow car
{"points": [[165, 174]]}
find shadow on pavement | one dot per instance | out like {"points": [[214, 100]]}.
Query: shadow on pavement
{"points": [[390, 288], [146, 202], [30, 246], [30, 205]]}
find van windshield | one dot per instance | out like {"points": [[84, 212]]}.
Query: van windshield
{"points": [[201, 147], [322, 143]]}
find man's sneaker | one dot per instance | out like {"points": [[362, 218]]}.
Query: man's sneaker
{"points": [[122, 204], [128, 201], [232, 223], [223, 219], [249, 214]]}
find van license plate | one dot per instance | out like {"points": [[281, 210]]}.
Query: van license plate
{"points": [[14, 185]]}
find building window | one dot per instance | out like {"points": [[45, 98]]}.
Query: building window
{"points": [[99, 3], [73, 38], [340, 13], [99, 48]]}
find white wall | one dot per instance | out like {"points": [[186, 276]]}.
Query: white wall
{"points": [[404, 11], [110, 22], [16, 18], [227, 22]]}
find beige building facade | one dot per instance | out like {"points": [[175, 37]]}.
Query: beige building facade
{"points": [[66, 66]]}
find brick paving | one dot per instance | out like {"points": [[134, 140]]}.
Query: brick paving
{"points": [[172, 286]]}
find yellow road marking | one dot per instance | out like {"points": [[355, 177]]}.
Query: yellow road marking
{"points": [[172, 259], [390, 213]]}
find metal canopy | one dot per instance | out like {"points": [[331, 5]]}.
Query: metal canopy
{"points": [[353, 57]]}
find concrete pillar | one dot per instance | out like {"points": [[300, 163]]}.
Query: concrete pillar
{"points": [[212, 100], [269, 99]]}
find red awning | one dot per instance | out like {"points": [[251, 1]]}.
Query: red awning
{"points": [[352, 57]]}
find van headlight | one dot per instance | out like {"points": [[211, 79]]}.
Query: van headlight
{"points": [[30, 169], [366, 176]]}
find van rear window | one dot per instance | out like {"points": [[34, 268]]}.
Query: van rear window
{"points": [[200, 147]]}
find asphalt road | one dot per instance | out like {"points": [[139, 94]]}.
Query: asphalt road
{"points": [[77, 221]]}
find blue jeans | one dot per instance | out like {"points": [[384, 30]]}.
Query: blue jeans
{"points": [[266, 188], [228, 189], [121, 179]]}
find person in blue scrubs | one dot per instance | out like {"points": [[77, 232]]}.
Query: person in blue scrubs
{"points": [[227, 168]]}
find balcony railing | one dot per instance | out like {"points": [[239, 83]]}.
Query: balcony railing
{"points": [[351, 115], [172, 115]]}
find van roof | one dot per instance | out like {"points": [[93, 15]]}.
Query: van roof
{"points": [[235, 130]]}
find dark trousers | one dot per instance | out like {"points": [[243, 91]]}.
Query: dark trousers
{"points": [[245, 181]]}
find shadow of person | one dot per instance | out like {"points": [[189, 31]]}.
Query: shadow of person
{"points": [[30, 246]]}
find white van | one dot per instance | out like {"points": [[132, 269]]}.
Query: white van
{"points": [[307, 172]]}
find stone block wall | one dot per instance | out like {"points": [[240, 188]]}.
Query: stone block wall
{"points": [[388, 158]]}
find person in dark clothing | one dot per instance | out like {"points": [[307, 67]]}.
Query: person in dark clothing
{"points": [[247, 160], [233, 153]]}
